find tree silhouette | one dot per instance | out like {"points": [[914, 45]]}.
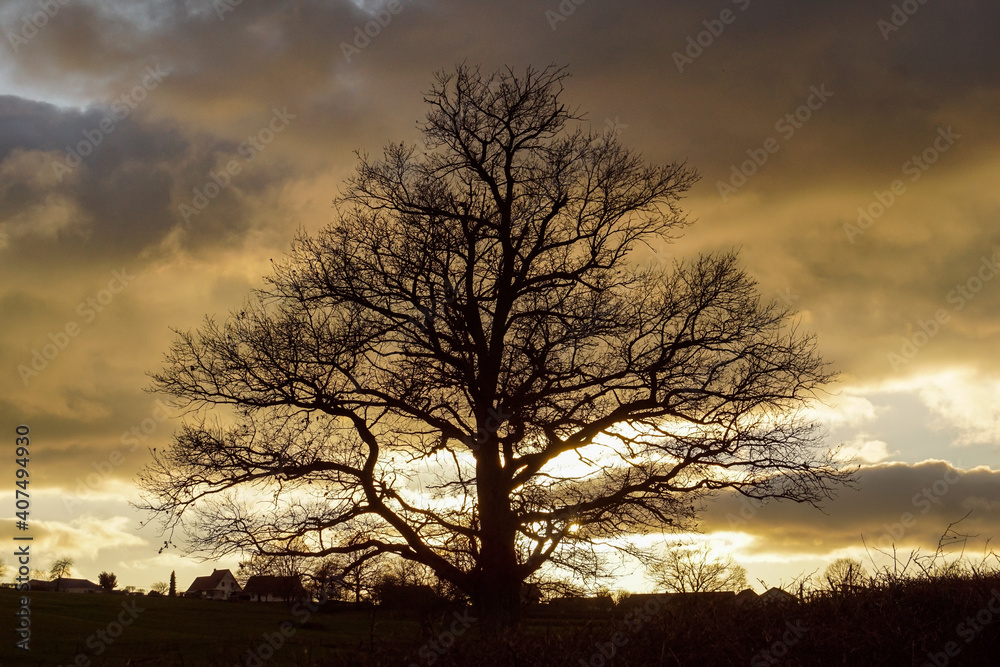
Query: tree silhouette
{"points": [[61, 567], [107, 580], [173, 584], [470, 369], [279, 565], [845, 574], [687, 569], [160, 587], [341, 577]]}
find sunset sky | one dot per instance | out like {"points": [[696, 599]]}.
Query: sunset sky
{"points": [[154, 156]]}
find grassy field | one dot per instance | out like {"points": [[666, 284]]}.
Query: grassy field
{"points": [[936, 622], [175, 631]]}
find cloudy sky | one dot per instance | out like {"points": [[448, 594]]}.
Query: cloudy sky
{"points": [[155, 155]]}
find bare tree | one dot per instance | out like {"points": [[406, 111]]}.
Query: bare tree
{"points": [[346, 578], [690, 569], [469, 370], [160, 587], [61, 567], [396, 573], [845, 574], [288, 564]]}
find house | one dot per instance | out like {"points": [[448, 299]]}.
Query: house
{"points": [[267, 588], [65, 585], [699, 599], [218, 586], [580, 605], [747, 597], [776, 596]]}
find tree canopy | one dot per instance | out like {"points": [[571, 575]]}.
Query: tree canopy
{"points": [[107, 580], [694, 569], [469, 369], [845, 574], [61, 567]]}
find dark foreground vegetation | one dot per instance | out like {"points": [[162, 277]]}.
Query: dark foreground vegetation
{"points": [[939, 620]]}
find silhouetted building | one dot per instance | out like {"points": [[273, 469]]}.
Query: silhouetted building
{"points": [[65, 585], [580, 605], [267, 588], [706, 598], [776, 596]]}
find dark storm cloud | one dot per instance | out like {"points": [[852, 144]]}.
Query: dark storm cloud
{"points": [[123, 179], [909, 506], [231, 64]]}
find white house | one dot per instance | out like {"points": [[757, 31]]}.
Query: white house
{"points": [[217, 586]]}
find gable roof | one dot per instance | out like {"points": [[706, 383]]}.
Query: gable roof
{"points": [[266, 584], [62, 583], [211, 582], [777, 595], [66, 582]]}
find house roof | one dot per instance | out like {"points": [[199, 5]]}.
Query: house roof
{"points": [[272, 585], [62, 583], [777, 595], [66, 582], [211, 582]]}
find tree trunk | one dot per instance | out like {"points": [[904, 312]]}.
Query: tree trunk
{"points": [[498, 591], [498, 604]]}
